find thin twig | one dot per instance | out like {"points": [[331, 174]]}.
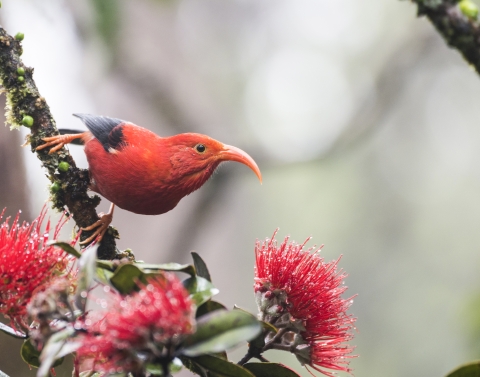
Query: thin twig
{"points": [[246, 358], [262, 359], [458, 30], [282, 347], [257, 353]]}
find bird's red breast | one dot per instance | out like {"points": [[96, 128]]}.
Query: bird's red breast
{"points": [[144, 173]]}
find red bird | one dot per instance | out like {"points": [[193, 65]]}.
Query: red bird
{"points": [[142, 172]]}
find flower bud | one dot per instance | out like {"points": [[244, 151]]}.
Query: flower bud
{"points": [[303, 353], [274, 310]]}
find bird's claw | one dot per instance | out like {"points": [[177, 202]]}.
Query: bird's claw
{"points": [[49, 141], [58, 141], [101, 225]]}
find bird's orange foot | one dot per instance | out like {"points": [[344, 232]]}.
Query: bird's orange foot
{"points": [[101, 227], [57, 142]]}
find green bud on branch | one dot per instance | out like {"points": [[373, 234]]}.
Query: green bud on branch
{"points": [[63, 166], [21, 71], [469, 9], [19, 36], [55, 187], [27, 120]]}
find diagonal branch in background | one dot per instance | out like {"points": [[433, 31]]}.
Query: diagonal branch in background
{"points": [[460, 29], [25, 105]]}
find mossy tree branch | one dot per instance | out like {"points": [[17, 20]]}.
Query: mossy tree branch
{"points": [[69, 183], [458, 24]]}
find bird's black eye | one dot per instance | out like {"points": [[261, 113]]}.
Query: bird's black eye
{"points": [[200, 148]]}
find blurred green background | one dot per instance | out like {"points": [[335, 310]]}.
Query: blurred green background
{"points": [[364, 124]]}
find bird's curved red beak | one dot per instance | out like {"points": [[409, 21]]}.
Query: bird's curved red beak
{"points": [[231, 153]]}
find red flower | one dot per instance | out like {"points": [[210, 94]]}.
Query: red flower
{"points": [[139, 328], [297, 282], [27, 264]]}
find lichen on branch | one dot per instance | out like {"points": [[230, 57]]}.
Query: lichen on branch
{"points": [[458, 24], [25, 106]]}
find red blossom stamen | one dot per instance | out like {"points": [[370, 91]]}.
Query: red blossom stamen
{"points": [[313, 290], [27, 264], [157, 316]]}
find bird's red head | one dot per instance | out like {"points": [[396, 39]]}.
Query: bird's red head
{"points": [[195, 157]]}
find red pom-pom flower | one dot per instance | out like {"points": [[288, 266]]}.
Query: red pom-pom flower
{"points": [[27, 265], [296, 289], [139, 329]]}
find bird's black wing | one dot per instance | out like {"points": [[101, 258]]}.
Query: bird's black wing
{"points": [[107, 130]]}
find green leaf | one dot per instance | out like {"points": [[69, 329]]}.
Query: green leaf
{"points": [[176, 267], [67, 248], [220, 330], [467, 370], [192, 366], [52, 353], [87, 265], [201, 266], [126, 278], [220, 366], [105, 265], [30, 354], [12, 332], [103, 275], [208, 307], [32, 357], [266, 325], [270, 369], [200, 289], [108, 265]]}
